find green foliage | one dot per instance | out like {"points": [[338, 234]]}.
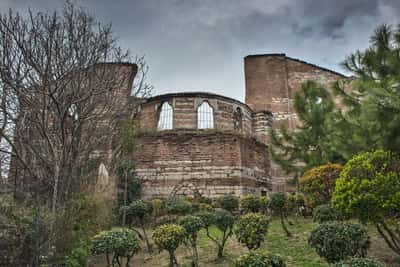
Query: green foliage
{"points": [[169, 236], [309, 142], [158, 207], [360, 262], [250, 203], [255, 259], [251, 229], [318, 183], [192, 225], [223, 220], [178, 206], [264, 203], [369, 189], [277, 203], [205, 207], [119, 242], [336, 241], [228, 202], [206, 217], [370, 118], [77, 258], [325, 213], [138, 211]]}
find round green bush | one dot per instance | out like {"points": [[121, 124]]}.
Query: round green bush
{"points": [[251, 229], [223, 219], [192, 224], [277, 202], [360, 262], [254, 259], [169, 236], [118, 241], [325, 213], [205, 207], [229, 202], [206, 217], [178, 206], [138, 210], [335, 241], [250, 203]]}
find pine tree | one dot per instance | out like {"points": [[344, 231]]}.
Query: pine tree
{"points": [[308, 145]]}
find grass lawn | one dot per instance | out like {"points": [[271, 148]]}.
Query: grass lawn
{"points": [[294, 250]]}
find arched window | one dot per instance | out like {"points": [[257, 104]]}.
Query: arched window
{"points": [[237, 119], [205, 116], [166, 117]]}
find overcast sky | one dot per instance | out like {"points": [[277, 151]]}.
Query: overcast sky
{"points": [[199, 45]]}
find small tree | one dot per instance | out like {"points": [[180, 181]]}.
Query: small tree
{"points": [[325, 213], [250, 203], [318, 183], [137, 213], [118, 242], [224, 222], [360, 262], [192, 225], [229, 202], [337, 241], [254, 259], [178, 206], [168, 237], [251, 229], [277, 204], [368, 189]]}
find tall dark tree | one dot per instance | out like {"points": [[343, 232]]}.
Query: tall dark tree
{"points": [[370, 117], [308, 144]]}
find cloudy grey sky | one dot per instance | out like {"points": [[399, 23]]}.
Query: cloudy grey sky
{"points": [[199, 45]]}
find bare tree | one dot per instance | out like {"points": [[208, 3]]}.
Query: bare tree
{"points": [[61, 102]]}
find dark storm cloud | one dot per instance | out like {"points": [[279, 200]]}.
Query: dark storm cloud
{"points": [[200, 44]]}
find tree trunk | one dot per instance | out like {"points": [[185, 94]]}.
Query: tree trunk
{"points": [[149, 247], [288, 234], [195, 256], [220, 252], [171, 259]]}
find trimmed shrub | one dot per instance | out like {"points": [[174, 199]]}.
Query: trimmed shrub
{"points": [[229, 203], [206, 217], [368, 189], [251, 229], [118, 242], [250, 203], [325, 213], [178, 206], [254, 259], [192, 225], [277, 205], [318, 183], [336, 241], [360, 262], [205, 207], [169, 237]]}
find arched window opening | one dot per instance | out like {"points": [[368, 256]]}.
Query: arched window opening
{"points": [[166, 117], [237, 119], [205, 116]]}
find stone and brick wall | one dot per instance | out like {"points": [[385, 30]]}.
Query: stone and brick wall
{"points": [[210, 163]]}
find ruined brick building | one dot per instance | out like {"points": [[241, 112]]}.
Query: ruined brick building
{"points": [[205, 144], [211, 145]]}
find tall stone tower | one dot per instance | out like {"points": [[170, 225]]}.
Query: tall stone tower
{"points": [[271, 82]]}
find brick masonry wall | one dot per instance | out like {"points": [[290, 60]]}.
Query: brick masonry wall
{"points": [[209, 163]]}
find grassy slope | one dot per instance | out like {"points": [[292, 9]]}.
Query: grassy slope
{"points": [[294, 250]]}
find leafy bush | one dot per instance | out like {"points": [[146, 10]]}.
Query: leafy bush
{"points": [[205, 207], [325, 213], [224, 221], [166, 219], [264, 203], [205, 200], [254, 259], [229, 202], [158, 207], [250, 203], [360, 262], [368, 189], [138, 212], [251, 229], [336, 241], [168, 237], [178, 206], [77, 257], [318, 183], [119, 242], [277, 205], [192, 225]]}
